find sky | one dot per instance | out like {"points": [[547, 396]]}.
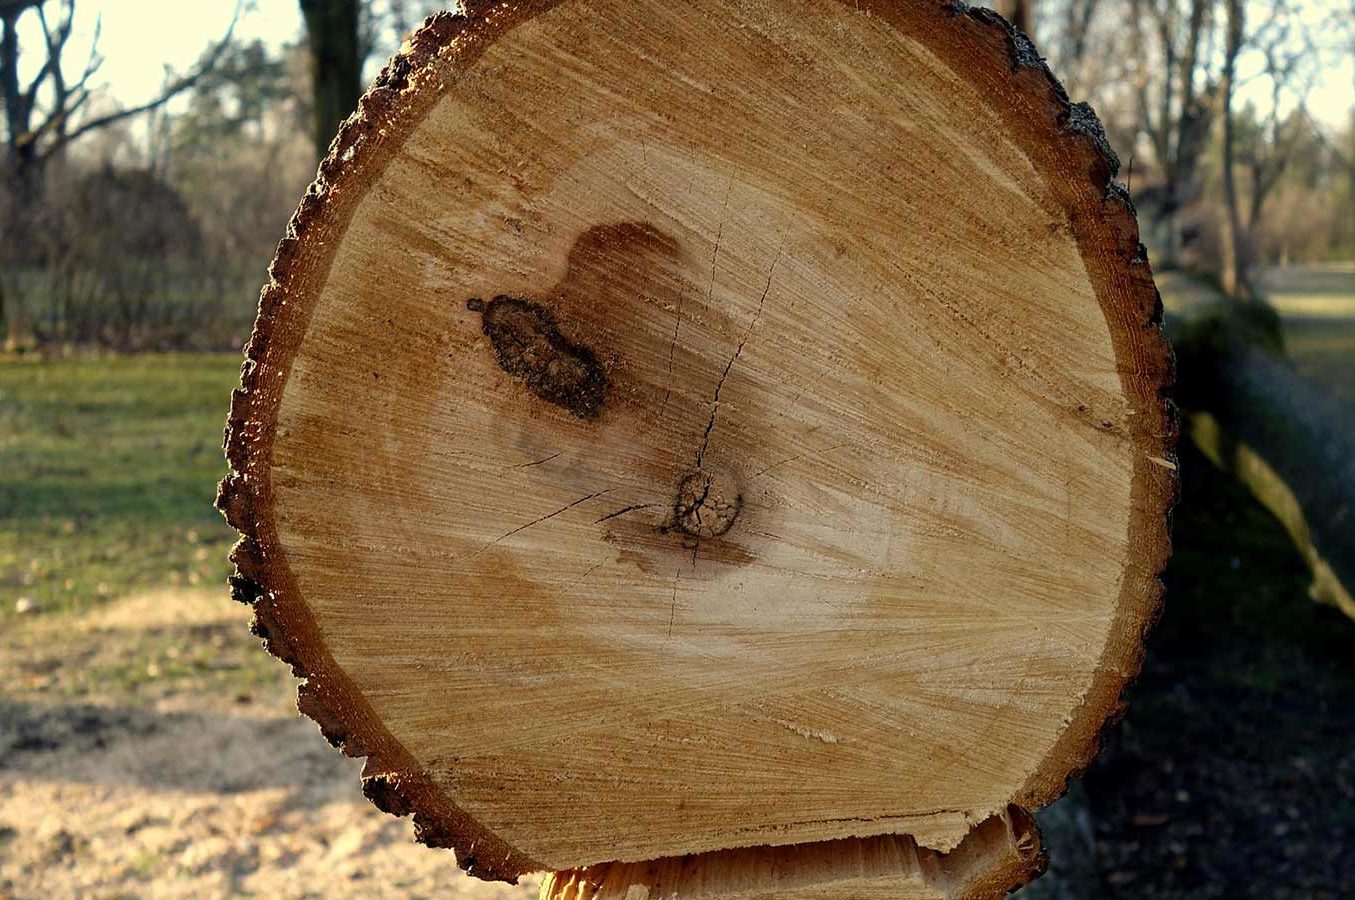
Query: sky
{"points": [[141, 37]]}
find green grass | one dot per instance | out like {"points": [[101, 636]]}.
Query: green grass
{"points": [[1323, 351], [1317, 306], [108, 469]]}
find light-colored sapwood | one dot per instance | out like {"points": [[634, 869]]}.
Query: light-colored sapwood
{"points": [[994, 856]]}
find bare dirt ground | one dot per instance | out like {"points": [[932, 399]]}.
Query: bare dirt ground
{"points": [[199, 782]]}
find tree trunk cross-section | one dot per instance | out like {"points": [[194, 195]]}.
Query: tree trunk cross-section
{"points": [[681, 427]]}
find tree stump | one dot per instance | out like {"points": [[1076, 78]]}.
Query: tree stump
{"points": [[678, 428]]}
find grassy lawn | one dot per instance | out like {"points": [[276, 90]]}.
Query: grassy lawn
{"points": [[1317, 306], [1323, 351], [108, 469]]}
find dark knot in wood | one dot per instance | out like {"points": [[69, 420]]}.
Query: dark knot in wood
{"points": [[708, 502], [530, 347]]}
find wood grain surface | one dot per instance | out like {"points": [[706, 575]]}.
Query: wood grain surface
{"points": [[680, 427], [996, 855]]}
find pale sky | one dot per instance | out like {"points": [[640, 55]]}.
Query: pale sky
{"points": [[141, 37]]}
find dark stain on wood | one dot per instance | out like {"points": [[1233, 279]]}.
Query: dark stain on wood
{"points": [[531, 348], [653, 548]]}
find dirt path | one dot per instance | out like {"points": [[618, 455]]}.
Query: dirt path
{"points": [[150, 789]]}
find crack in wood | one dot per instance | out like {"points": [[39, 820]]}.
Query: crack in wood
{"points": [[715, 402], [522, 528], [672, 348], [672, 610], [792, 459], [623, 511], [537, 462], [584, 577]]}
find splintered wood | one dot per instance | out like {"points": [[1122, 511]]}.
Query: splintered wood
{"points": [[681, 427], [995, 855]]}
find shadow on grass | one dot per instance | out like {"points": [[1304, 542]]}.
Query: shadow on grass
{"points": [[153, 502]]}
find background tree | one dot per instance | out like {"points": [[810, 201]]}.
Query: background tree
{"points": [[44, 116], [1233, 265], [332, 33], [1175, 97], [1263, 144], [36, 131], [347, 40]]}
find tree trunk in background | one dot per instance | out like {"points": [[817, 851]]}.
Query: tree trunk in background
{"points": [[1177, 129], [1020, 13], [336, 65], [1236, 263], [9, 94], [20, 174]]}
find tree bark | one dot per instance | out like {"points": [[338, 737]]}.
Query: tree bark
{"points": [[657, 441], [1020, 13], [336, 65], [20, 177]]}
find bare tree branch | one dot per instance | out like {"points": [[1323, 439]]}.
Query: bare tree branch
{"points": [[1341, 159], [175, 88], [52, 64]]}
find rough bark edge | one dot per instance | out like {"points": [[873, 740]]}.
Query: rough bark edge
{"points": [[1145, 358], [450, 42], [971, 871], [390, 779]]}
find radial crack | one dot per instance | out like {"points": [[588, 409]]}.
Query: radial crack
{"points": [[672, 610], [792, 459], [719, 385], [521, 528], [672, 348], [537, 462], [623, 511]]}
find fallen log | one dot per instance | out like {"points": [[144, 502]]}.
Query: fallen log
{"points": [[678, 428], [1257, 419]]}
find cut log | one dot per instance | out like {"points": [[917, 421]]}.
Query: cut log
{"points": [[674, 428]]}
